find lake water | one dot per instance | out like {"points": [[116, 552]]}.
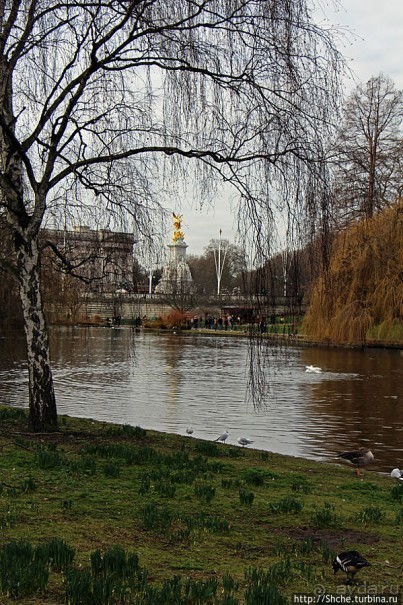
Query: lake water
{"points": [[169, 381]]}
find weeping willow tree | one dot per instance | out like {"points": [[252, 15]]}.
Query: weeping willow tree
{"points": [[360, 297], [106, 105]]}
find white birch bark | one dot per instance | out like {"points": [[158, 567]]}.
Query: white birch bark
{"points": [[42, 403]]}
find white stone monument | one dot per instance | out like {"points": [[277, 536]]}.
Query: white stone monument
{"points": [[176, 276]]}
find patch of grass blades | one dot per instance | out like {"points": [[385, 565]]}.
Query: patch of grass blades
{"points": [[87, 465], [182, 476], [399, 517], [179, 535], [283, 572], [165, 489], [364, 487], [199, 591], [156, 518], [9, 518], [112, 470], [48, 459], [246, 497], [325, 516], [66, 504], [126, 430], [301, 485], [230, 483], [371, 515], [207, 522], [327, 552], [260, 589], [115, 562], [281, 548], [397, 492], [286, 505], [234, 452], [254, 476], [205, 492], [10, 413], [145, 485], [57, 553], [305, 547], [130, 454], [26, 486], [23, 570], [207, 448]]}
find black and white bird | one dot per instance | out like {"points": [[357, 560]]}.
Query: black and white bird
{"points": [[350, 562], [397, 474], [223, 437], [189, 431], [359, 458], [244, 441]]}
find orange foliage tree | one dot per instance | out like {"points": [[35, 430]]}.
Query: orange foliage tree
{"points": [[360, 297]]}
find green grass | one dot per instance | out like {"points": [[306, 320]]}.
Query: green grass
{"points": [[97, 513]]}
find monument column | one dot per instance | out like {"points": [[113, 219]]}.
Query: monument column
{"points": [[176, 276]]}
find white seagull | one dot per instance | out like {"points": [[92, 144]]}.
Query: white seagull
{"points": [[189, 430], [397, 474], [244, 441], [223, 437], [313, 369]]}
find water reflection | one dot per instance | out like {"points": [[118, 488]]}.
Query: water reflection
{"points": [[358, 398], [169, 381]]}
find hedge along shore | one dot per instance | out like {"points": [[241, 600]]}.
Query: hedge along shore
{"points": [[188, 519]]}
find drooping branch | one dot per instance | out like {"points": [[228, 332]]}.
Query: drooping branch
{"points": [[69, 267], [200, 154]]}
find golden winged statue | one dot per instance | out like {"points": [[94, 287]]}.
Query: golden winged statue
{"points": [[178, 233]]}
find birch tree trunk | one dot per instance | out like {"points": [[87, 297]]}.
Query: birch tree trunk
{"points": [[42, 402]]}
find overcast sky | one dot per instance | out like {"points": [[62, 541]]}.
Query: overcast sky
{"points": [[377, 47]]}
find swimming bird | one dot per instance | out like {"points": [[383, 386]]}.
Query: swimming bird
{"points": [[313, 369], [359, 458], [223, 437], [189, 430], [350, 562], [244, 441], [397, 474]]}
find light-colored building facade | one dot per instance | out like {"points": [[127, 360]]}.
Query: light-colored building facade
{"points": [[103, 257]]}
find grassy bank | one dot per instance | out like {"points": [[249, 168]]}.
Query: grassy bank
{"points": [[99, 513]]}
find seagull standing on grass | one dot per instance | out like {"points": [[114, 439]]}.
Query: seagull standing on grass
{"points": [[397, 474], [223, 437], [244, 441], [189, 430]]}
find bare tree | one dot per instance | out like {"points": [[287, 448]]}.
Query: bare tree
{"points": [[10, 314], [370, 150], [99, 100]]}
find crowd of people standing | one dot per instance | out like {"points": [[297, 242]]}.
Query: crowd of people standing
{"points": [[226, 322]]}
